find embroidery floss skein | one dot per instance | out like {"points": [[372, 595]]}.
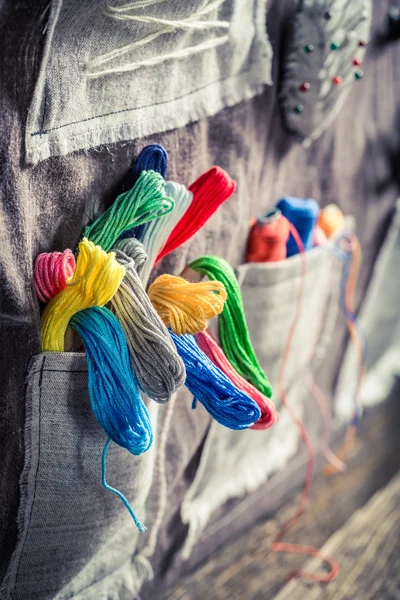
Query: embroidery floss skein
{"points": [[233, 330], [209, 346], [96, 279], [209, 192], [209, 385], [113, 391], [134, 249], [158, 368], [268, 238], [144, 202], [152, 158], [155, 234], [302, 213], [186, 307], [52, 270]]}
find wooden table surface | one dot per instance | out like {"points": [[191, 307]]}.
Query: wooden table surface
{"points": [[360, 529]]}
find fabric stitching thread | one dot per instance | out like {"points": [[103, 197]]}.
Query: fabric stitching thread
{"points": [[132, 109]]}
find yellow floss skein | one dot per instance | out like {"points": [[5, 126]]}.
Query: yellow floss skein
{"points": [[186, 307], [96, 278]]}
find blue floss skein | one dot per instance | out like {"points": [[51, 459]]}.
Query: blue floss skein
{"points": [[152, 158], [113, 391], [303, 214], [155, 234], [209, 385]]}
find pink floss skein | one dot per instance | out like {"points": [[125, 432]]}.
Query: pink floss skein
{"points": [[52, 271]]}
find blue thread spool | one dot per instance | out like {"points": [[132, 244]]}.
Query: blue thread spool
{"points": [[303, 214]]}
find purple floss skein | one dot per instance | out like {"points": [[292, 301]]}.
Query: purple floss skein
{"points": [[303, 214], [152, 158], [226, 403]]}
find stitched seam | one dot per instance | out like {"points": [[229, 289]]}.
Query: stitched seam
{"points": [[132, 109], [36, 478]]}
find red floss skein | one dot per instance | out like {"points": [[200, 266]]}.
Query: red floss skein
{"points": [[209, 346], [52, 270], [209, 192], [268, 237]]}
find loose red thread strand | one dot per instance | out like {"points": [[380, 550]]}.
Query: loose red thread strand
{"points": [[209, 191], [277, 545]]}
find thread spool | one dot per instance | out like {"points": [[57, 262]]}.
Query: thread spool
{"points": [[302, 213], [268, 237], [209, 191], [330, 219]]}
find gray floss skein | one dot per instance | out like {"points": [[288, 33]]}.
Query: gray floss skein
{"points": [[157, 366]]}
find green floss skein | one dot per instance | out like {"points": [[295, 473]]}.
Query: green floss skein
{"points": [[233, 330], [144, 202]]}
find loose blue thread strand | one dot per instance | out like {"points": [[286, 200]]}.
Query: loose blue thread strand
{"points": [[113, 390], [108, 487]]}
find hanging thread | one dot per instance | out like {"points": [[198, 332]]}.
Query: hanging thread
{"points": [[233, 330], [278, 545], [158, 369], [209, 191], [52, 270], [144, 202], [113, 392], [268, 238], [351, 258], [302, 214], [96, 278], [155, 234], [142, 528], [151, 158], [209, 346], [225, 402], [186, 307]]}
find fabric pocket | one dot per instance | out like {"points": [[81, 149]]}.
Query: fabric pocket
{"points": [[116, 70], [76, 540], [235, 463]]}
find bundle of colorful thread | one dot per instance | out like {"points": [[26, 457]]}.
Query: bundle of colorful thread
{"points": [[156, 341], [271, 238]]}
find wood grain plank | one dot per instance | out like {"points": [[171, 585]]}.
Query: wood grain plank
{"points": [[247, 569], [368, 549]]}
